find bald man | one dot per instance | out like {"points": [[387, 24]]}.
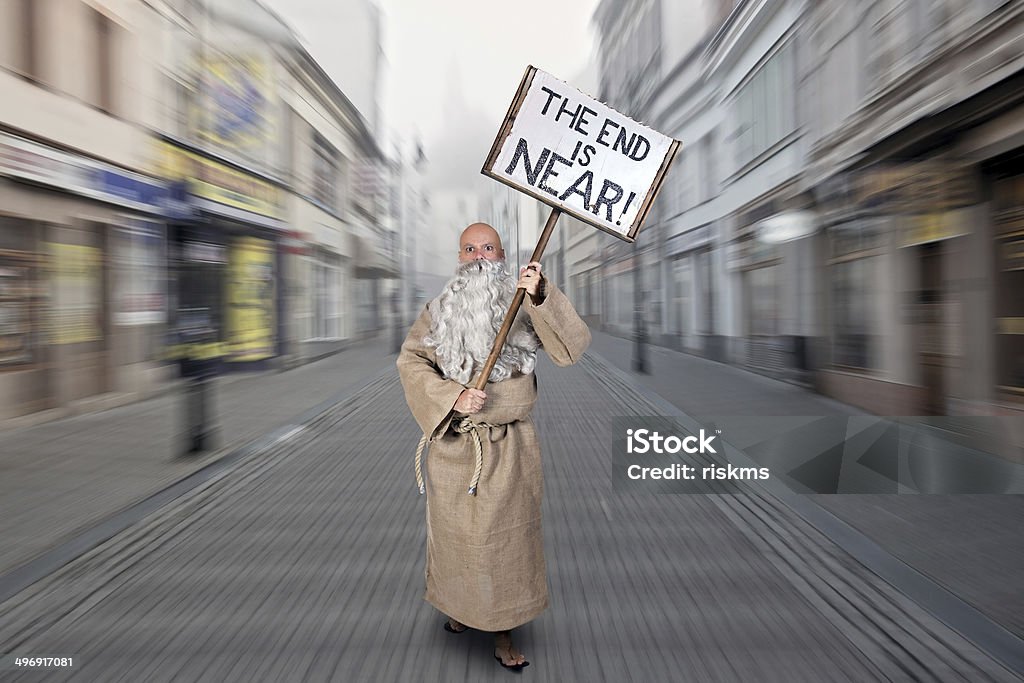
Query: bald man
{"points": [[483, 478]]}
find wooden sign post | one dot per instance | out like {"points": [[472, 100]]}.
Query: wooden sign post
{"points": [[582, 158], [517, 302]]}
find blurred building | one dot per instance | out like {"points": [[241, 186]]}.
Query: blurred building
{"points": [[280, 174], [645, 48], [222, 142], [916, 170], [83, 278], [172, 170], [844, 210], [339, 247], [413, 220], [345, 39], [746, 171]]}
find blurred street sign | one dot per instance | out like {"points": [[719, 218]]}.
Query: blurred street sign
{"points": [[33, 162], [786, 227]]}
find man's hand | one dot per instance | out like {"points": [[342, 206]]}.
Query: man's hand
{"points": [[470, 401], [529, 279]]}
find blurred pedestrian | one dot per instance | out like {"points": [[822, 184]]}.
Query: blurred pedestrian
{"points": [[483, 477]]}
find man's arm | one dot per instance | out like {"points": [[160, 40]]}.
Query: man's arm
{"points": [[430, 396], [562, 332]]}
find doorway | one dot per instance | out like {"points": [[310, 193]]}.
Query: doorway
{"points": [[930, 333]]}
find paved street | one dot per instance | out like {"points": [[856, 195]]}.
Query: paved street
{"points": [[64, 476], [302, 559], [969, 544]]}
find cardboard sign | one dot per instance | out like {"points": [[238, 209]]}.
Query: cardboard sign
{"points": [[580, 156]]}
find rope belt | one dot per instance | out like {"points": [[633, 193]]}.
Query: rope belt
{"points": [[464, 425]]}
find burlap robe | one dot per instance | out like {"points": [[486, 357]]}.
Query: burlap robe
{"points": [[485, 553]]}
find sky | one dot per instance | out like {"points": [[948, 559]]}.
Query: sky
{"points": [[451, 66], [477, 49]]}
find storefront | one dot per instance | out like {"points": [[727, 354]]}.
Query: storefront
{"points": [[82, 278], [901, 239], [226, 256], [617, 296], [1008, 223], [691, 297], [586, 293], [771, 262]]}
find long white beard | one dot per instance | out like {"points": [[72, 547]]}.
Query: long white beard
{"points": [[466, 318]]}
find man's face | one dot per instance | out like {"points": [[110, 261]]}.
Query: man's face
{"points": [[480, 241]]}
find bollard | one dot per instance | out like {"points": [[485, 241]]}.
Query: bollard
{"points": [[201, 432]]}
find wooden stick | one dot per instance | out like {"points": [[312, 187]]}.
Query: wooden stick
{"points": [[517, 301]]}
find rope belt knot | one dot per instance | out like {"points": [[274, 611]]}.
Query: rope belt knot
{"points": [[464, 425]]}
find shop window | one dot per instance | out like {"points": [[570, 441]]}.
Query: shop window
{"points": [[18, 292], [764, 301], [325, 298], [1010, 315], [853, 338], [682, 299]]}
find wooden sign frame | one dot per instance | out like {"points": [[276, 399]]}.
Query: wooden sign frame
{"points": [[505, 130]]}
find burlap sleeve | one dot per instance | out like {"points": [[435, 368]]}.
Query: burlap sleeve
{"points": [[430, 396], [562, 332]]}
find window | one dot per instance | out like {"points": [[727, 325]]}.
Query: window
{"points": [[764, 300], [682, 298], [759, 109], [184, 96], [618, 295], [1009, 282], [138, 274], [1010, 314], [19, 48], [708, 173], [673, 191], [287, 159], [325, 172], [325, 305], [20, 301], [765, 106], [773, 82], [853, 340], [105, 37]]}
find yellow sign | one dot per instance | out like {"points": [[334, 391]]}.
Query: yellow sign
{"points": [[77, 294], [1010, 325], [932, 227], [219, 182], [909, 187], [251, 320], [1013, 254]]}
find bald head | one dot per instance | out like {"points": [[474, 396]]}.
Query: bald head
{"points": [[480, 241]]}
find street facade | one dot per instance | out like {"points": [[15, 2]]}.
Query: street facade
{"points": [[843, 213], [194, 189]]}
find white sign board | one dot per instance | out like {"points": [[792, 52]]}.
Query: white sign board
{"points": [[578, 155]]}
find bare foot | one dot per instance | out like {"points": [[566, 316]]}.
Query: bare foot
{"points": [[505, 651]]}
